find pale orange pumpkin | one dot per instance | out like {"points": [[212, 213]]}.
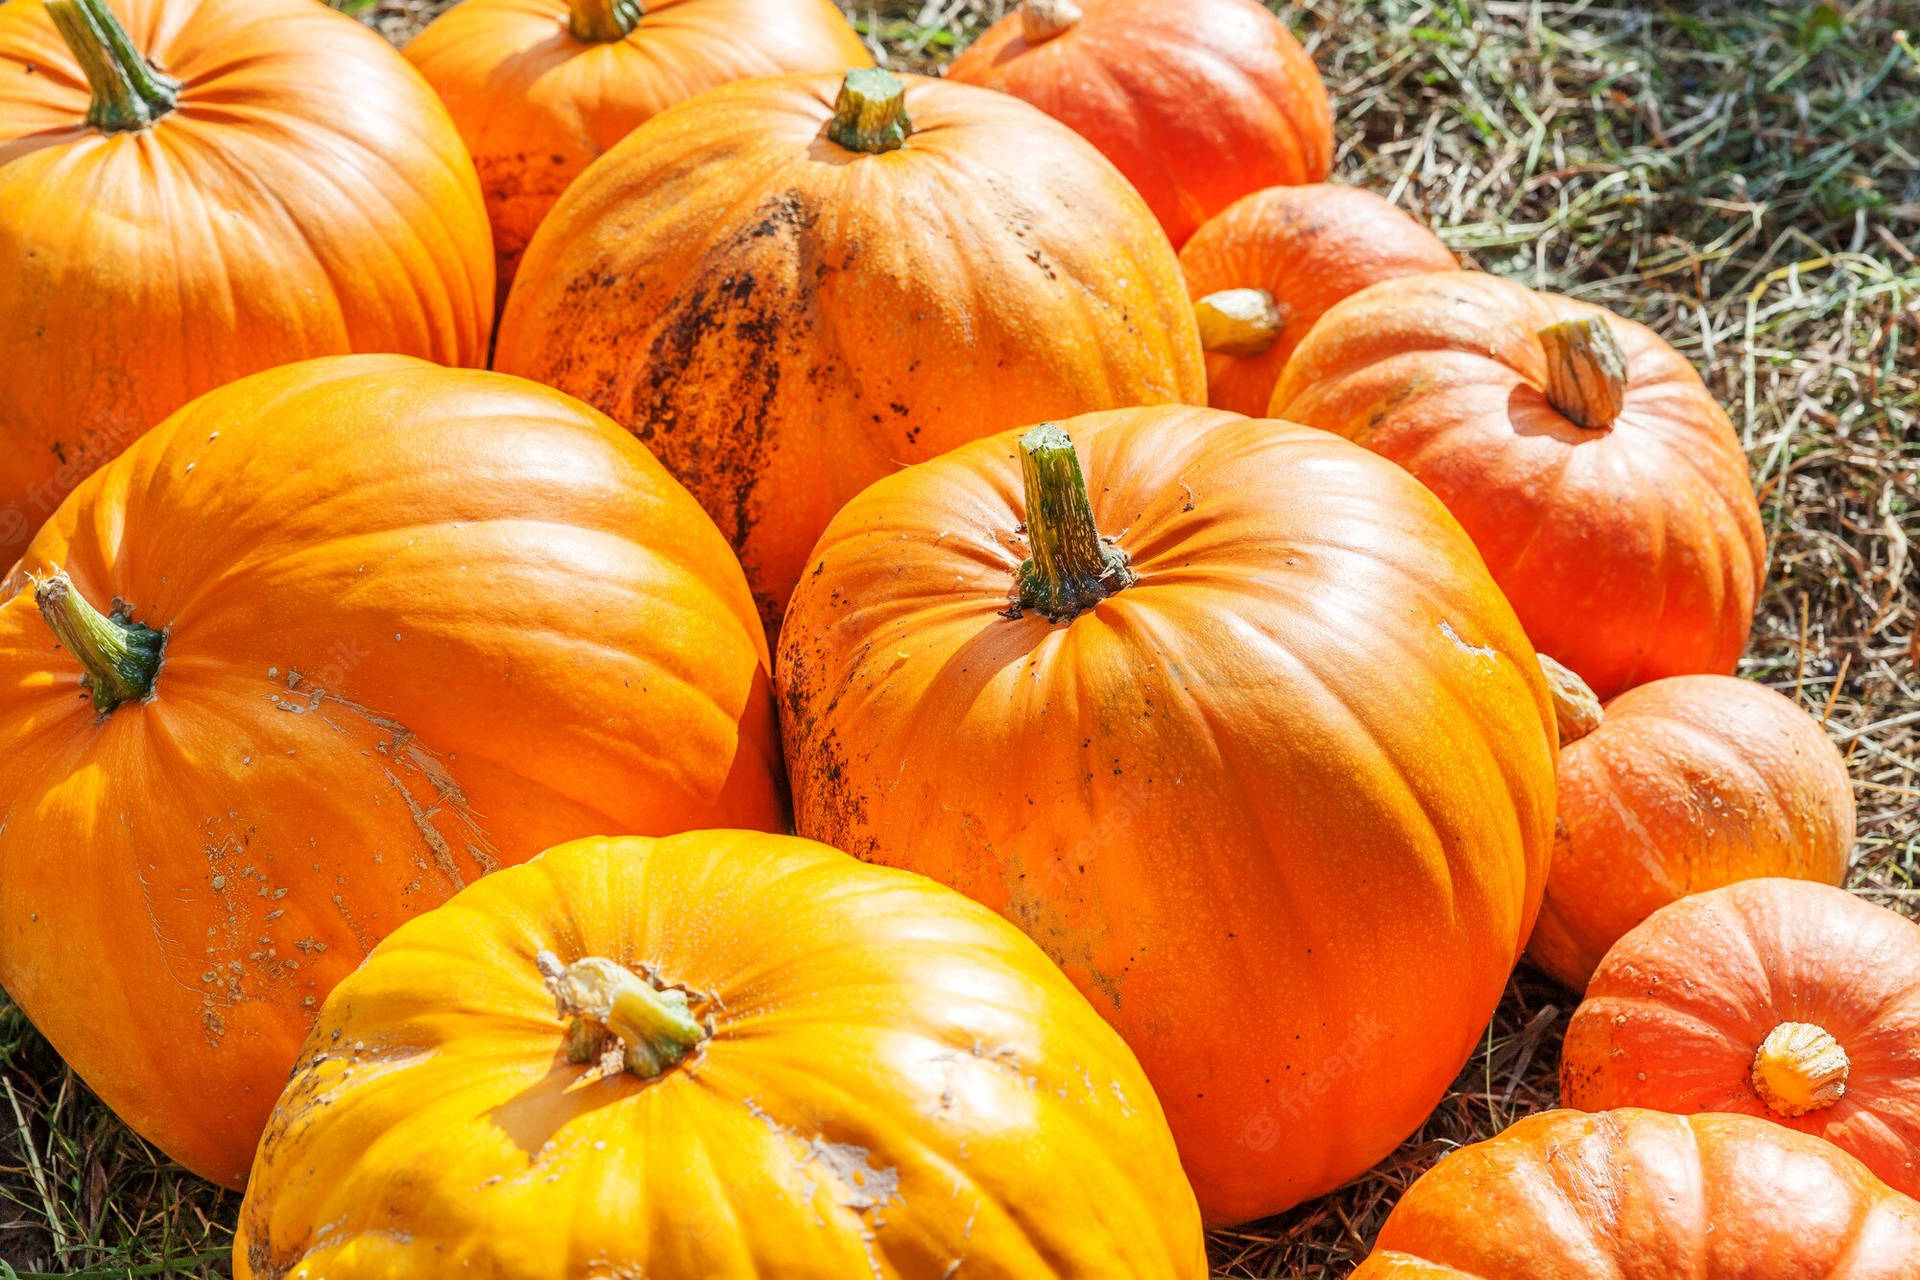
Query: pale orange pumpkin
{"points": [[714, 1057]]}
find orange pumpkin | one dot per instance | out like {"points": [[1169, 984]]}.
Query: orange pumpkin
{"points": [[1606, 489], [276, 184], [1795, 1002], [327, 644], [1268, 772], [791, 287], [1270, 264], [711, 1056], [1678, 786], [1571, 1196], [540, 88], [1198, 102]]}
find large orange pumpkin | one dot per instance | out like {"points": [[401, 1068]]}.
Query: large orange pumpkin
{"points": [[324, 646], [714, 1057], [276, 184], [789, 288], [1268, 772], [1603, 484], [1795, 1002], [1678, 786], [1198, 102], [540, 88], [1571, 1196], [1264, 269]]}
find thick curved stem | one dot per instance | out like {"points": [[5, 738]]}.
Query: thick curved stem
{"points": [[1072, 568], [1586, 371], [1576, 709], [603, 21], [1800, 1068], [870, 115], [602, 999], [128, 91], [1042, 20], [1239, 322], [121, 657]]}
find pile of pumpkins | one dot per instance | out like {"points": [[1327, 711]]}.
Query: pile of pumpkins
{"points": [[1036, 483]]}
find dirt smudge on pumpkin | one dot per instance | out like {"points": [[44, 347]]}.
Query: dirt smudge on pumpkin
{"points": [[846, 1171]]}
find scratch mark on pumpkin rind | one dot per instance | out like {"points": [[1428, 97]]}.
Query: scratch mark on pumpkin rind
{"points": [[858, 1185]]}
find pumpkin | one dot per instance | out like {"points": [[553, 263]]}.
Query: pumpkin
{"points": [[1198, 102], [1682, 785], [1568, 1196], [788, 288], [720, 1054], [1243, 736], [1603, 484], [325, 645], [215, 188], [1266, 267], [540, 88], [1794, 1002]]}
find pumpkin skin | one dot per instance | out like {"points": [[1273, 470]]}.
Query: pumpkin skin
{"points": [[1687, 784], [307, 196], [784, 320], [419, 623], [536, 104], [1302, 981], [1198, 102], [1632, 551], [1685, 1013], [895, 1083], [1306, 248], [1569, 1196]]}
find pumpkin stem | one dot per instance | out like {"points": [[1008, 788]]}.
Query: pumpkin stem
{"points": [[1586, 371], [601, 999], [121, 657], [1042, 20], [128, 91], [1072, 568], [1576, 709], [603, 21], [870, 114], [1238, 322], [1800, 1068]]}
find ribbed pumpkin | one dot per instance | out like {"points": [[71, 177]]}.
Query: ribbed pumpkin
{"points": [[276, 184], [1603, 484], [1198, 102], [541, 88], [716, 1056], [1795, 1002], [1268, 772], [1679, 786], [327, 644], [1270, 264], [789, 288], [1571, 1196]]}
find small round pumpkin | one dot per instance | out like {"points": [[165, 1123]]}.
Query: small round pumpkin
{"points": [[1198, 102], [327, 644], [1571, 1196], [789, 288], [1265, 268], [1592, 467], [541, 88], [215, 188], [1678, 786], [711, 1056], [1269, 772], [1795, 1002]]}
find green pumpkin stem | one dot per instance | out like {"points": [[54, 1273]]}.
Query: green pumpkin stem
{"points": [[605, 1001], [604, 21], [1072, 568], [121, 658], [128, 91], [1238, 322], [1586, 371], [870, 114]]}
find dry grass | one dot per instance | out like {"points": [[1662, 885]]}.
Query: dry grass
{"points": [[1742, 176]]}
